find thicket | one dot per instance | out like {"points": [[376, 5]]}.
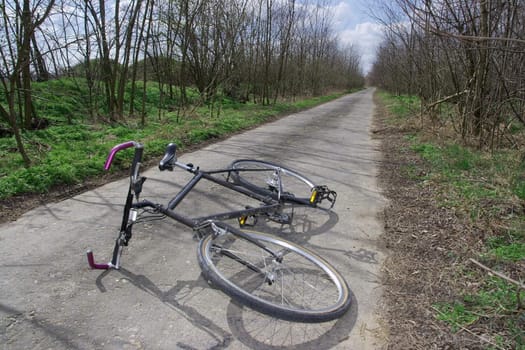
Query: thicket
{"points": [[259, 51], [484, 290], [81, 75], [464, 60], [459, 67]]}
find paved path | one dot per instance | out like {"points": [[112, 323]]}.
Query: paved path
{"points": [[49, 299]]}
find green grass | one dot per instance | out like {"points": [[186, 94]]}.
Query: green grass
{"points": [[457, 314], [74, 147], [495, 300], [401, 107], [508, 252], [473, 178], [484, 187]]}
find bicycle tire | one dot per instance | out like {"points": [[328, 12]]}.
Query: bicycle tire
{"points": [[259, 176], [306, 287]]}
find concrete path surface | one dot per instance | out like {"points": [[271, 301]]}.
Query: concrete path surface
{"points": [[50, 299]]}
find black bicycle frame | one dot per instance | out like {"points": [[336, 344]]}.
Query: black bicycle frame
{"points": [[135, 188]]}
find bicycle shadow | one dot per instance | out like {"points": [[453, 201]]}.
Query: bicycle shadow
{"points": [[306, 222], [258, 331], [174, 299], [251, 328], [254, 330]]}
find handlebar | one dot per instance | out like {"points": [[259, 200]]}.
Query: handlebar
{"points": [[137, 183], [116, 149]]}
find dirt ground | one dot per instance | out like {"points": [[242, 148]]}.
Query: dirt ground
{"points": [[426, 244]]}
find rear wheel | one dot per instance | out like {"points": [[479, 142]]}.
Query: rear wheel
{"points": [[268, 178], [273, 276]]}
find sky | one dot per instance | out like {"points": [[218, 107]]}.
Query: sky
{"points": [[354, 26]]}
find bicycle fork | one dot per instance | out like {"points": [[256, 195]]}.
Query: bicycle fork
{"points": [[128, 219]]}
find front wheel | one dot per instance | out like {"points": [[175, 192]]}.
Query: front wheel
{"points": [[273, 276]]}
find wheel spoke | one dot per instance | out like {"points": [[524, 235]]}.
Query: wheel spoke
{"points": [[301, 286], [269, 178]]}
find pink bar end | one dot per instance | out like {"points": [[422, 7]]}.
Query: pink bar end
{"points": [[92, 264]]}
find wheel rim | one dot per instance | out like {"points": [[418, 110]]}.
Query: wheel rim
{"points": [[263, 173], [296, 288]]}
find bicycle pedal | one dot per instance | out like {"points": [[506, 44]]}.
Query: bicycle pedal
{"points": [[247, 220], [321, 193]]}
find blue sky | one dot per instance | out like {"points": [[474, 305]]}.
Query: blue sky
{"points": [[354, 26]]}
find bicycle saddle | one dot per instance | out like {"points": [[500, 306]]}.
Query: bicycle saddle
{"points": [[170, 157]]}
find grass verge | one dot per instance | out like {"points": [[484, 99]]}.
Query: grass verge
{"points": [[473, 254], [73, 148]]}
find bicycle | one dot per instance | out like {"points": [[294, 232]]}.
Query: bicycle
{"points": [[264, 272]]}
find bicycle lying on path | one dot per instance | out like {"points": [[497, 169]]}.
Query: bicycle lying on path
{"points": [[262, 271]]}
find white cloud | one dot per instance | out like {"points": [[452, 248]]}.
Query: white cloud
{"points": [[365, 37], [345, 15]]}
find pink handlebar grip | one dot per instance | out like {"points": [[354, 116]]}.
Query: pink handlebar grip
{"points": [[114, 151], [92, 264]]}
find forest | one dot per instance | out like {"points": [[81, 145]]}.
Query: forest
{"points": [[464, 59], [455, 73], [193, 52]]}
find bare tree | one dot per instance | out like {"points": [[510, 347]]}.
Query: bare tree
{"points": [[466, 52], [18, 28], [261, 50]]}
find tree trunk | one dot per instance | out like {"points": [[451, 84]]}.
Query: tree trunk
{"points": [[25, 64], [10, 117], [42, 73]]}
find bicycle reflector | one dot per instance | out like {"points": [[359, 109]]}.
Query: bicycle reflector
{"points": [[313, 196], [242, 220]]}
